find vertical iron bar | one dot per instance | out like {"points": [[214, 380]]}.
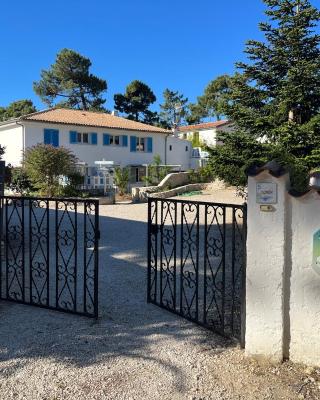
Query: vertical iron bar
{"points": [[1, 244], [23, 252], [96, 259], [75, 271], [48, 254], [85, 206], [30, 250], [243, 278], [181, 259], [161, 248], [149, 252], [7, 248], [156, 252], [223, 270], [197, 262], [205, 264], [233, 292], [175, 258], [57, 253]]}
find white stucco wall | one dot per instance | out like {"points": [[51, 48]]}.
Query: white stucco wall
{"points": [[90, 153], [305, 282], [265, 273], [283, 288], [179, 152], [11, 137], [208, 136]]}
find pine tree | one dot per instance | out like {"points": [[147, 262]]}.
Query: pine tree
{"points": [[70, 81], [17, 109], [135, 102], [174, 109], [212, 103], [275, 97]]}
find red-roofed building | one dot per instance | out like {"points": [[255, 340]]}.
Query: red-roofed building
{"points": [[96, 139]]}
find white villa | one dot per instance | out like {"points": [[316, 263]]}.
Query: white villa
{"points": [[205, 132], [94, 137]]}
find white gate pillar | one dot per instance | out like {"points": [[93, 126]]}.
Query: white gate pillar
{"points": [[265, 276]]}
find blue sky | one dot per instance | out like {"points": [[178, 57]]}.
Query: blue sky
{"points": [[179, 44]]}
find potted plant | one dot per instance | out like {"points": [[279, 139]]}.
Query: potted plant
{"points": [[314, 178]]}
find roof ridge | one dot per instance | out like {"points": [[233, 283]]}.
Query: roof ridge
{"points": [[208, 122], [90, 118], [38, 112]]}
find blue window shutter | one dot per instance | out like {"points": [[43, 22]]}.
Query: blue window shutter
{"points": [[106, 139], [133, 143], [73, 136], [94, 138], [47, 136], [124, 140], [149, 144], [55, 138]]}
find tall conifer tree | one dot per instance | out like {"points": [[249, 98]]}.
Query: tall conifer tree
{"points": [[274, 98]]}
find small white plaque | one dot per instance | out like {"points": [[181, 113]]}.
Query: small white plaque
{"points": [[266, 193]]}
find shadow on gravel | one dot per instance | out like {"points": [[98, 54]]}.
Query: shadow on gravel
{"points": [[128, 326]]}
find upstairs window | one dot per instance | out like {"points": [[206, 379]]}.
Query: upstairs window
{"points": [[114, 140], [83, 137], [140, 144], [51, 136]]}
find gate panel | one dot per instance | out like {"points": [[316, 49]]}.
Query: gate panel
{"points": [[49, 253], [196, 261]]}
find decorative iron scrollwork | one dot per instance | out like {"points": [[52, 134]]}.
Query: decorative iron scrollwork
{"points": [[50, 253], [196, 261]]}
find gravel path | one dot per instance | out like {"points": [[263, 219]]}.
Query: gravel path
{"points": [[135, 350]]}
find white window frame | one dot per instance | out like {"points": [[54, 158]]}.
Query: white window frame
{"points": [[141, 144], [81, 136], [112, 140]]}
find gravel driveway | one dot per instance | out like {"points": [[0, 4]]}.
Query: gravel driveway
{"points": [[135, 350]]}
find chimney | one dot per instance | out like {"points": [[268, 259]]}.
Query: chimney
{"points": [[115, 113]]}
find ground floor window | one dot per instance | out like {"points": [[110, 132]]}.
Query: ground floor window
{"points": [[137, 174]]}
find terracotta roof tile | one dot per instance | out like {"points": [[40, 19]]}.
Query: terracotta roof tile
{"points": [[90, 118], [205, 125]]}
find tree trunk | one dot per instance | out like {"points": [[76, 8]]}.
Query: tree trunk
{"points": [[84, 102]]}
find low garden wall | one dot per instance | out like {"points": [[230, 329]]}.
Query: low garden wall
{"points": [[179, 190], [173, 180]]}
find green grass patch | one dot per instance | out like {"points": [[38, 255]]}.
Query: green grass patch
{"points": [[189, 194]]}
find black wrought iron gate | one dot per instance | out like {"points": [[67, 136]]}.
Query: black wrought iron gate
{"points": [[196, 262], [49, 253]]}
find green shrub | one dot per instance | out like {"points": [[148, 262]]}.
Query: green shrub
{"points": [[156, 172], [44, 164], [121, 179], [19, 181]]}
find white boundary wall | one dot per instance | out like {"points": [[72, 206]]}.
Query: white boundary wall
{"points": [[282, 288]]}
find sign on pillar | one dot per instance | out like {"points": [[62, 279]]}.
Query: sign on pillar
{"points": [[316, 252]]}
